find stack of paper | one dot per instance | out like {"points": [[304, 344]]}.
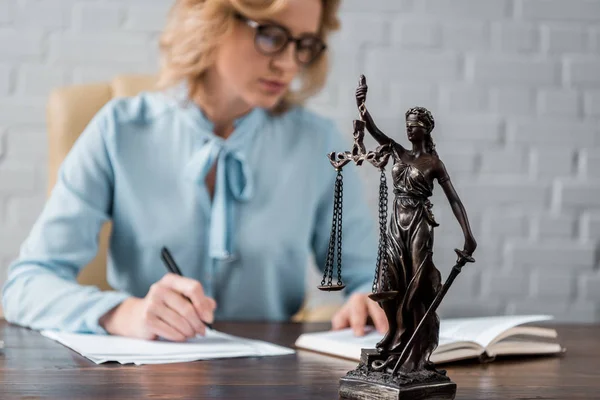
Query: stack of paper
{"points": [[104, 348]]}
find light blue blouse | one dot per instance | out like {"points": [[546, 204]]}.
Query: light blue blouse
{"points": [[141, 163]]}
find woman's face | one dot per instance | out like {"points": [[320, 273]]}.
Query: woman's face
{"points": [[261, 80], [415, 131]]}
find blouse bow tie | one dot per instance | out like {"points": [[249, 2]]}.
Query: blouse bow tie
{"points": [[233, 183]]}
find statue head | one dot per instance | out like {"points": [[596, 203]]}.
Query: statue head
{"points": [[419, 124]]}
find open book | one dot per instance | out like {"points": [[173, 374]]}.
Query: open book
{"points": [[462, 338]]}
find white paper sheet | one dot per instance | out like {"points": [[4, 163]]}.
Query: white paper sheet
{"points": [[105, 348]]}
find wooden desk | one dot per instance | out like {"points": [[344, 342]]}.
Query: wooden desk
{"points": [[35, 367]]}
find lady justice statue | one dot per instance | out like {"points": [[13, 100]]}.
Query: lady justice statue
{"points": [[407, 284]]}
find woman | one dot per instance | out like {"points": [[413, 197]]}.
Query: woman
{"points": [[231, 176], [411, 274]]}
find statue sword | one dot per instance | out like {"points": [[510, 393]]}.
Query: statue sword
{"points": [[463, 258]]}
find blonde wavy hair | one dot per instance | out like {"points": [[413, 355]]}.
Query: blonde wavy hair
{"points": [[195, 28]]}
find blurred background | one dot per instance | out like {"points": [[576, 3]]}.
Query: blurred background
{"points": [[514, 86]]}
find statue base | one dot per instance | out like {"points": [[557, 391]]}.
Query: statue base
{"points": [[363, 383]]}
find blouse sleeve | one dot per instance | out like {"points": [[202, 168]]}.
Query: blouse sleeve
{"points": [[41, 291]]}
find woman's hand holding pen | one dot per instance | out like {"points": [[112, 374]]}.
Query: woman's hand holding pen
{"points": [[174, 309]]}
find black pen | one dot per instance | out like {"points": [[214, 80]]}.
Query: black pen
{"points": [[165, 254]]}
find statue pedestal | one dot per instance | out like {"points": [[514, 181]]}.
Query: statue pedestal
{"points": [[363, 383]]}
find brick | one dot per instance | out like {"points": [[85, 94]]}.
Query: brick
{"points": [[6, 11], [512, 101], [379, 5], [504, 192], [454, 307], [575, 194], [515, 37], [25, 111], [583, 71], [40, 14], [559, 103], [346, 63], [94, 74], [577, 10], [359, 29], [589, 160], [489, 9], [553, 162], [5, 79], [458, 160], [470, 129], [405, 95], [549, 226], [98, 17], [325, 98], [552, 285], [18, 46], [99, 50], [27, 144], [11, 242], [146, 18], [592, 103], [577, 312], [37, 80], [505, 161], [447, 220], [2, 143], [504, 285], [448, 235], [557, 253], [564, 39], [24, 210], [588, 286], [457, 35], [391, 64], [416, 32], [487, 255], [513, 70], [468, 285], [497, 225], [17, 180], [590, 226], [464, 98], [595, 41], [552, 132], [377, 98]]}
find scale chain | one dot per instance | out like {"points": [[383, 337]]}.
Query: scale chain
{"points": [[340, 185]]}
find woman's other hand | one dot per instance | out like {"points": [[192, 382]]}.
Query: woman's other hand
{"points": [[173, 309], [355, 312]]}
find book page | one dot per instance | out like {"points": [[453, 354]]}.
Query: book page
{"points": [[484, 330], [343, 343], [522, 347], [531, 331]]}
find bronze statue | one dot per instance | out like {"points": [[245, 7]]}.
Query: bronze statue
{"points": [[407, 284]]}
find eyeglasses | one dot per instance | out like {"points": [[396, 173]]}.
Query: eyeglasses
{"points": [[271, 39]]}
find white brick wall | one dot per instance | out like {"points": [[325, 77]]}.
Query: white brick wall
{"points": [[514, 86]]}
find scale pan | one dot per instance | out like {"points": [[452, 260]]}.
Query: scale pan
{"points": [[331, 288]]}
